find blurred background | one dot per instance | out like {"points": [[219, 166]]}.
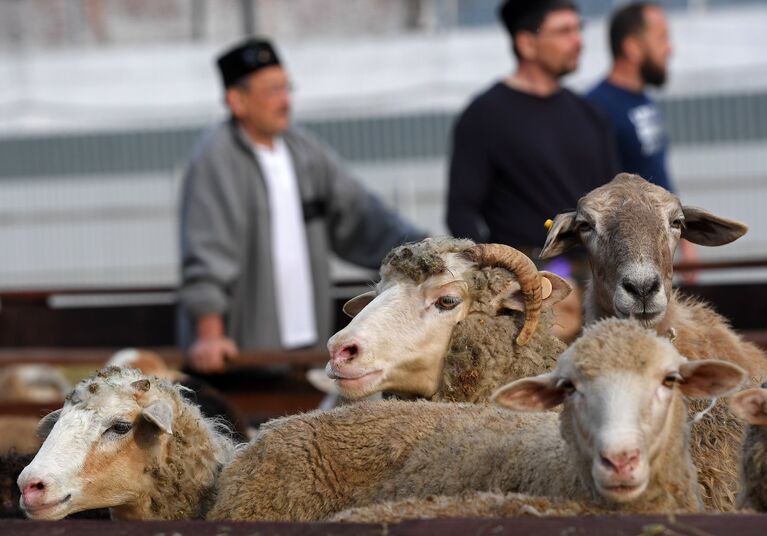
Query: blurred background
{"points": [[102, 101]]}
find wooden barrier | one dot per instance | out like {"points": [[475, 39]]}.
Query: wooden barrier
{"points": [[97, 357], [687, 525]]}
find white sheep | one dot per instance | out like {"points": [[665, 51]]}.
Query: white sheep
{"points": [[128, 443], [630, 229], [449, 321], [622, 387]]}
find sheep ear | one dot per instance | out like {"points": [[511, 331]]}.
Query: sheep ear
{"points": [[560, 288], [751, 405], [47, 423], [554, 289], [358, 303], [530, 394], [561, 236], [159, 413], [710, 378], [707, 229]]}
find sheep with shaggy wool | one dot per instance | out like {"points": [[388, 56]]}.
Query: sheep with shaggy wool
{"points": [[467, 505], [128, 443], [630, 229], [468, 318], [307, 467]]}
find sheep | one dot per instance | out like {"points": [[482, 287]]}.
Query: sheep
{"points": [[128, 443], [630, 229], [308, 467], [38, 384], [751, 405], [467, 319], [212, 403]]}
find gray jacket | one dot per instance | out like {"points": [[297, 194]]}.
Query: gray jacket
{"points": [[226, 238]]}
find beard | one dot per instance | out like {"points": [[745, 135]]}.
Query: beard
{"points": [[652, 73]]}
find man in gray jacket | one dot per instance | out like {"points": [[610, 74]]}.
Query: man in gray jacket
{"points": [[263, 205]]}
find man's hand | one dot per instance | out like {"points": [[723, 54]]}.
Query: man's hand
{"points": [[212, 348], [209, 355]]}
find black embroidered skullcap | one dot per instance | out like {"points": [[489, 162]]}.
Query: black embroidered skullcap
{"points": [[527, 15], [246, 57]]}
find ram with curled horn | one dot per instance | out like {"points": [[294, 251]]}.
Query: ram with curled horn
{"points": [[450, 320]]}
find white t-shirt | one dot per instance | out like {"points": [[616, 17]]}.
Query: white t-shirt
{"points": [[290, 253]]}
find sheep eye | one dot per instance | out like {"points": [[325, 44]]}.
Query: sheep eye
{"points": [[120, 428], [446, 303], [566, 385], [678, 223], [584, 227], [670, 380]]}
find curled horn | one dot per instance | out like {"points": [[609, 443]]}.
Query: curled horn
{"points": [[502, 256]]}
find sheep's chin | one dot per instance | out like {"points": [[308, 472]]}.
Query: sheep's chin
{"points": [[621, 494], [53, 511], [360, 387]]}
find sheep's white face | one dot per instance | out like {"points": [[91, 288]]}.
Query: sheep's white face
{"points": [[398, 340], [96, 449], [631, 229], [621, 387], [619, 421]]}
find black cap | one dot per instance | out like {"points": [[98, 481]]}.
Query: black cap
{"points": [[528, 14], [247, 57]]}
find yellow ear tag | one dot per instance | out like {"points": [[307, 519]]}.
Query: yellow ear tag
{"points": [[545, 288], [548, 224]]}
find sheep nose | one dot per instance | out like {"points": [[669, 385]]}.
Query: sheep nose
{"points": [[641, 288], [33, 492], [345, 353], [622, 462]]}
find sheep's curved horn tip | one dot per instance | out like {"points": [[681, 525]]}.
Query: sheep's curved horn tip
{"points": [[527, 276]]}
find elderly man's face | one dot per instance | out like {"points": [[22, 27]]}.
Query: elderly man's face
{"points": [[262, 103], [558, 42]]}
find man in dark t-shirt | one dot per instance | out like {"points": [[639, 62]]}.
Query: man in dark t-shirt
{"points": [[527, 148]]}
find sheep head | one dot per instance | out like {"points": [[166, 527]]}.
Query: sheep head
{"points": [[113, 426], [630, 229], [400, 333], [621, 386]]}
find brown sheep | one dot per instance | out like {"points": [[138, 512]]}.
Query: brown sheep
{"points": [[630, 229]]}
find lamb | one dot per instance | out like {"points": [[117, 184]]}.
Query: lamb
{"points": [[751, 405], [308, 467], [630, 229], [467, 319], [129, 443]]}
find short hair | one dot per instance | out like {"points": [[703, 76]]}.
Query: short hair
{"points": [[518, 16], [627, 21]]}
